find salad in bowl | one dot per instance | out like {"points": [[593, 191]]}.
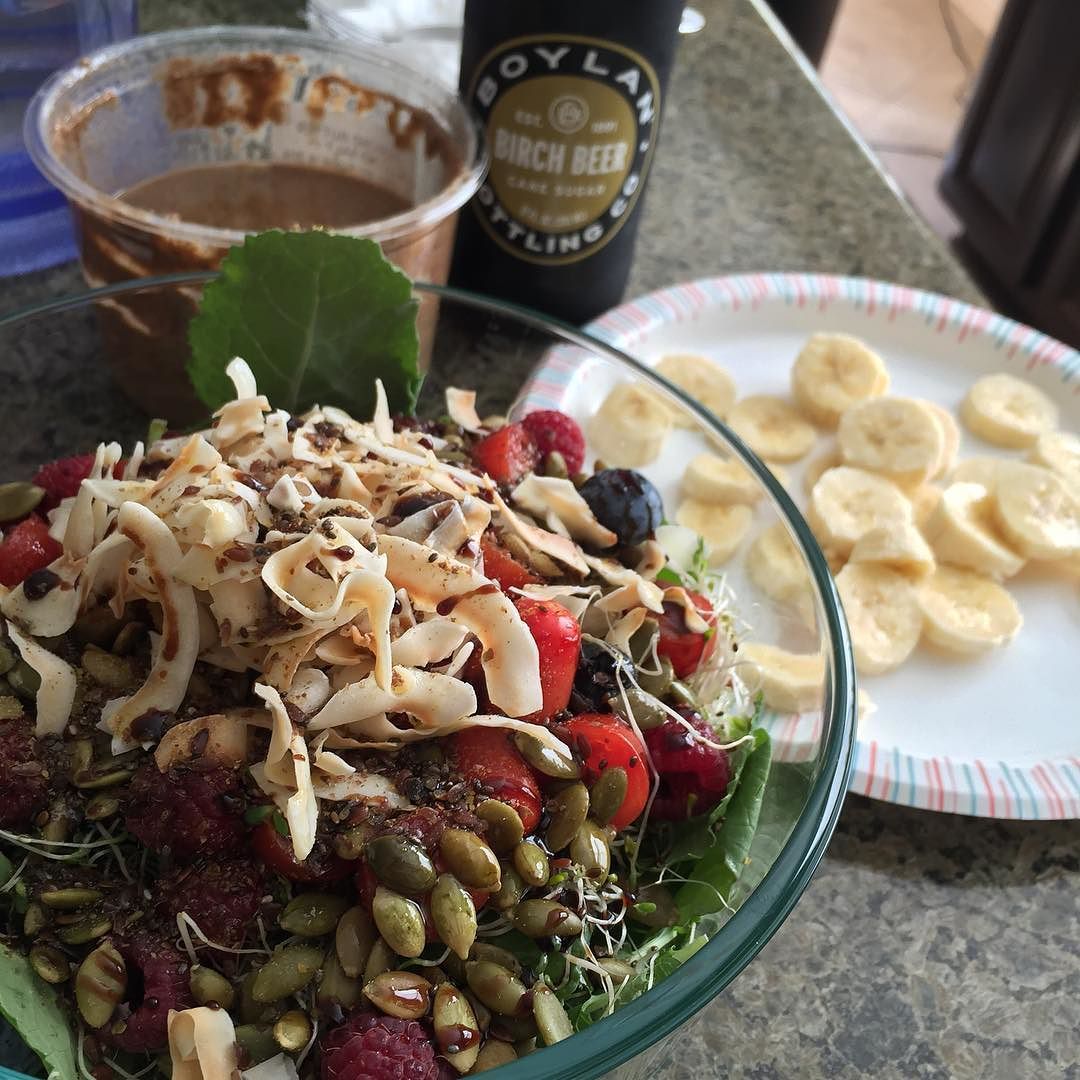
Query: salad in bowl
{"points": [[350, 747]]}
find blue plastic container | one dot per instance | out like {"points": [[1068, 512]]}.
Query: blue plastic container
{"points": [[36, 38]]}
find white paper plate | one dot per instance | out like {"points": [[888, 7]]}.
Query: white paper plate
{"points": [[997, 736]]}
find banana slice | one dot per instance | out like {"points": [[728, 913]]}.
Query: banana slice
{"points": [[967, 613], [790, 682], [832, 373], [846, 503], [865, 705], [825, 459], [962, 532], [713, 479], [924, 500], [950, 434], [900, 547], [776, 567], [1038, 511], [1007, 411], [704, 380], [723, 528], [883, 615], [629, 429], [897, 437], [977, 470], [772, 428], [1059, 451]]}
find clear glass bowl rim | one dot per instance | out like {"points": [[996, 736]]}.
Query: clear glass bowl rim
{"points": [[417, 219], [642, 1023]]}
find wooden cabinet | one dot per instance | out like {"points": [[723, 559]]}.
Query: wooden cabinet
{"points": [[1013, 177]]}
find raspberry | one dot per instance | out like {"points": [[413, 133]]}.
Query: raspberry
{"points": [[157, 981], [368, 1046], [61, 479], [506, 455], [222, 896], [24, 788], [191, 813], [555, 431], [26, 548], [693, 775]]}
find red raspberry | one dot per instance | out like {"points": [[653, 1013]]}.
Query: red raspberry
{"points": [[222, 896], [191, 813], [368, 1046], [506, 455], [61, 479], [24, 789], [554, 430], [693, 775], [26, 548], [157, 979]]}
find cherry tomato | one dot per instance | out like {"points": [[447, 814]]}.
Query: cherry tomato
{"points": [[604, 741], [502, 567], [321, 867], [489, 756], [686, 649], [558, 640]]}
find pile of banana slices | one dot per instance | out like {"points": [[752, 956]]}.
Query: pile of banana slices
{"points": [[919, 541]]}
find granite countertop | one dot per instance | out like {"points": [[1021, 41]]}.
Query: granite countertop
{"points": [[928, 945]]}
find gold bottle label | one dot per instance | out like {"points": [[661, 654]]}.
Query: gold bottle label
{"points": [[571, 124]]}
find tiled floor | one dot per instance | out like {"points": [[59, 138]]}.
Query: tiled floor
{"points": [[902, 70]]}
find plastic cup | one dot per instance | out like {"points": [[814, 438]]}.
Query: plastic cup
{"points": [[254, 94]]}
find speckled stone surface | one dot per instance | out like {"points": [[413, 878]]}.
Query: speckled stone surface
{"points": [[927, 945]]}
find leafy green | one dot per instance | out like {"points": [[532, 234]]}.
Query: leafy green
{"points": [[317, 317], [716, 872], [667, 576], [32, 1008]]}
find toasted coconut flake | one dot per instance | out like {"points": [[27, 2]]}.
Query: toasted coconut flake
{"points": [[310, 690], [54, 613], [427, 643], [88, 517], [380, 421], [623, 630], [694, 622], [56, 694], [632, 587], [461, 407], [575, 598], [559, 548], [225, 745], [361, 787], [202, 1044], [281, 1067], [545, 495]]}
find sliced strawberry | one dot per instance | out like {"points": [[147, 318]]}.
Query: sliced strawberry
{"points": [[506, 455], [686, 649], [604, 741], [558, 640], [321, 867], [489, 757], [25, 548], [554, 431], [502, 567]]}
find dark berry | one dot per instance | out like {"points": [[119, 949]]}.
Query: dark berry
{"points": [[693, 774], [222, 896], [368, 1046], [40, 583], [24, 787], [624, 502], [555, 431], [187, 812], [597, 678], [25, 548], [408, 505], [157, 981]]}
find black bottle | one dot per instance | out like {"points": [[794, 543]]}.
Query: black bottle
{"points": [[569, 93]]}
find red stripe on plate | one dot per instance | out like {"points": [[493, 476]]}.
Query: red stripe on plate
{"points": [[989, 787]]}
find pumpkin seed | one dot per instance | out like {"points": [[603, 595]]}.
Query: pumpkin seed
{"points": [[470, 860], [34, 920], [353, 939], [509, 891], [101, 807], [400, 863], [100, 984], [480, 1010], [662, 911], [555, 465], [504, 828], [50, 963], [658, 684], [208, 985], [514, 1028], [80, 755], [380, 959], [101, 776], [24, 680], [531, 862], [568, 809], [616, 968], [98, 626], [312, 914], [493, 1054], [608, 794], [252, 1011], [545, 760], [112, 672], [400, 921], [129, 637], [17, 499], [454, 914], [485, 950], [10, 707], [644, 709], [287, 971], [499, 989], [69, 899], [292, 1030], [551, 1019], [525, 1047], [336, 987], [257, 1043], [350, 843], [591, 850], [457, 1032], [7, 660], [545, 918], [61, 821], [400, 993], [89, 929]]}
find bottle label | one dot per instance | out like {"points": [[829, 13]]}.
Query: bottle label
{"points": [[571, 123]]}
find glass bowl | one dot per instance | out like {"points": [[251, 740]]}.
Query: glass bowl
{"points": [[61, 393]]}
